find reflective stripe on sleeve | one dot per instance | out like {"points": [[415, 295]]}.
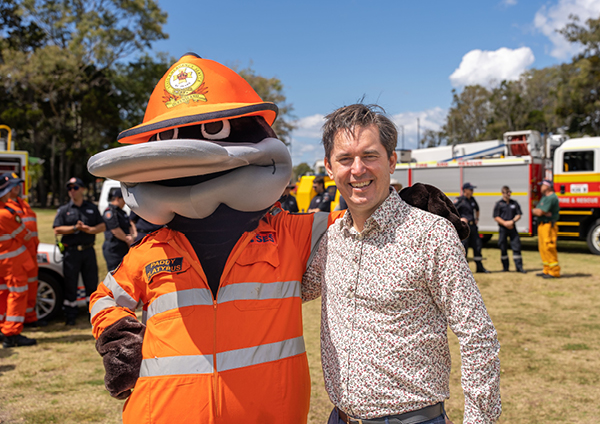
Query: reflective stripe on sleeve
{"points": [[28, 310], [259, 354], [29, 219], [177, 365], [32, 279], [33, 234], [13, 253], [12, 235], [3, 287], [101, 304], [10, 318], [170, 301], [259, 291], [319, 228], [18, 289], [120, 295]]}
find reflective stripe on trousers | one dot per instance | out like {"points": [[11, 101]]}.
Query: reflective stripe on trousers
{"points": [[233, 359], [13, 253]]}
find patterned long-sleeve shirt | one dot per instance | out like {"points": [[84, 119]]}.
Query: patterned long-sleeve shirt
{"points": [[389, 294]]}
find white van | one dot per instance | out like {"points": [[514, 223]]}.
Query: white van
{"points": [[108, 187]]}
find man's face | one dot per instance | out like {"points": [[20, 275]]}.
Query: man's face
{"points": [[361, 168], [75, 192], [319, 187], [506, 195], [544, 189], [468, 192]]}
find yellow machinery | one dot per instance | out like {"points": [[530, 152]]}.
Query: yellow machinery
{"points": [[305, 192]]}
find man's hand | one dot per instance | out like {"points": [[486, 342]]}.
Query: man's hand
{"points": [[509, 224]]}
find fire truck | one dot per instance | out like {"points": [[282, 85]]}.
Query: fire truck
{"points": [[521, 160]]}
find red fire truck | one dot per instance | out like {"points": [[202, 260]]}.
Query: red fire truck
{"points": [[521, 161]]}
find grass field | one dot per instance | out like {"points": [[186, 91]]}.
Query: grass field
{"points": [[549, 332]]}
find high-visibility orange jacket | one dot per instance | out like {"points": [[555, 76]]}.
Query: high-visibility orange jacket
{"points": [[29, 218], [237, 358], [15, 262]]}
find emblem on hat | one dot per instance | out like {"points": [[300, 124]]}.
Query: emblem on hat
{"points": [[183, 84]]}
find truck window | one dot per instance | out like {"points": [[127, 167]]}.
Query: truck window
{"points": [[579, 161]]}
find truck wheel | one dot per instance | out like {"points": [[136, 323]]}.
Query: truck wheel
{"points": [[593, 238], [49, 296]]}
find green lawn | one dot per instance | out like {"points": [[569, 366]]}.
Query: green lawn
{"points": [[549, 332]]}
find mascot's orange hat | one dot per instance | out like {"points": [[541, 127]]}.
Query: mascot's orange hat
{"points": [[197, 90]]}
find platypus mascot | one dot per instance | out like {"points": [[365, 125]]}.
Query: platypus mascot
{"points": [[221, 334]]}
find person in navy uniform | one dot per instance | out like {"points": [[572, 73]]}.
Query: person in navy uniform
{"points": [[288, 202], [322, 201], [468, 210], [117, 236], [506, 213], [140, 228], [78, 222]]}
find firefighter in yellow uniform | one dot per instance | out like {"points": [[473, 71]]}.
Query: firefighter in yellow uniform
{"points": [[547, 212]]}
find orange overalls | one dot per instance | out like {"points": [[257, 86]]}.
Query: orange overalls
{"points": [[237, 358], [29, 218], [15, 263]]}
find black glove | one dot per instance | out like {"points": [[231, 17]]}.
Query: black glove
{"points": [[120, 346], [432, 199]]}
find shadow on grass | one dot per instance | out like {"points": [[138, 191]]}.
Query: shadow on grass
{"points": [[67, 339], [5, 353], [5, 368]]}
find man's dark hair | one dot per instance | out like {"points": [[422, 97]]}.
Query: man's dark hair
{"points": [[505, 188], [347, 118], [319, 180]]}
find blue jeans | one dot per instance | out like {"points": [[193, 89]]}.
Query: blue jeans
{"points": [[334, 418]]}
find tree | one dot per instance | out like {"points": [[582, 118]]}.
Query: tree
{"points": [[271, 90], [64, 79], [433, 138], [468, 116], [300, 170]]}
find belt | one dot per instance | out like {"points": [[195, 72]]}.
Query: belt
{"points": [[413, 417], [79, 247], [471, 222]]}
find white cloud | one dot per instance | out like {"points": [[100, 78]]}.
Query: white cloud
{"points": [[509, 2], [430, 119], [310, 126], [490, 67], [549, 19]]}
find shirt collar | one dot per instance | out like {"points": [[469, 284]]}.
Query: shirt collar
{"points": [[392, 210]]}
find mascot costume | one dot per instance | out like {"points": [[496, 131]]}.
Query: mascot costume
{"points": [[221, 334]]}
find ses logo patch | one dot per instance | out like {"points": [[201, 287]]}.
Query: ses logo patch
{"points": [[164, 265], [264, 238]]}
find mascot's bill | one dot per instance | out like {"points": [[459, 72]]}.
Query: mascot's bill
{"points": [[221, 334]]}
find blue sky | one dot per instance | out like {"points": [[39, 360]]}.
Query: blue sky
{"points": [[406, 56]]}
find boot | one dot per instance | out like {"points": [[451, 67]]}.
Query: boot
{"points": [[519, 266], [18, 340], [480, 268], [504, 264], [2, 336]]}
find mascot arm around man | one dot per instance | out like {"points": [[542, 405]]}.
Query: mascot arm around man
{"points": [[221, 334]]}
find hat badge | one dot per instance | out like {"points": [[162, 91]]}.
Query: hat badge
{"points": [[184, 83]]}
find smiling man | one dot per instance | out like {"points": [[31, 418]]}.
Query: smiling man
{"points": [[392, 279]]}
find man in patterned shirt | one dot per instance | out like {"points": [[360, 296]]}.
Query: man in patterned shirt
{"points": [[392, 279]]}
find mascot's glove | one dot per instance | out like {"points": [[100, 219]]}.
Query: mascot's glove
{"points": [[431, 199], [120, 346]]}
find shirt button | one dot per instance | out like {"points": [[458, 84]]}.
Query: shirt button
{"points": [[350, 294], [360, 236]]}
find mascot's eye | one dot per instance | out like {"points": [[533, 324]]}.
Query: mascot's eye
{"points": [[171, 134], [216, 130]]}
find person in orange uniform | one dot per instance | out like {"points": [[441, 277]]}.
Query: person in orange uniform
{"points": [[221, 334], [29, 218], [15, 264]]}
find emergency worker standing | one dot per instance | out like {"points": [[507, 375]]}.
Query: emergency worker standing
{"points": [[468, 210], [117, 237], [547, 211], [288, 202], [140, 228], [15, 263], [322, 201], [78, 222], [29, 218], [506, 213]]}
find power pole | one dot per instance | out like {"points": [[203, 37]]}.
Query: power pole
{"points": [[418, 135]]}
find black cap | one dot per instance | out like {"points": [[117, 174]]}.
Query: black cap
{"points": [[468, 186], [116, 193], [75, 181]]}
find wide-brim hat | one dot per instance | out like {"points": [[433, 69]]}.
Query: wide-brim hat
{"points": [[197, 90], [8, 180]]}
